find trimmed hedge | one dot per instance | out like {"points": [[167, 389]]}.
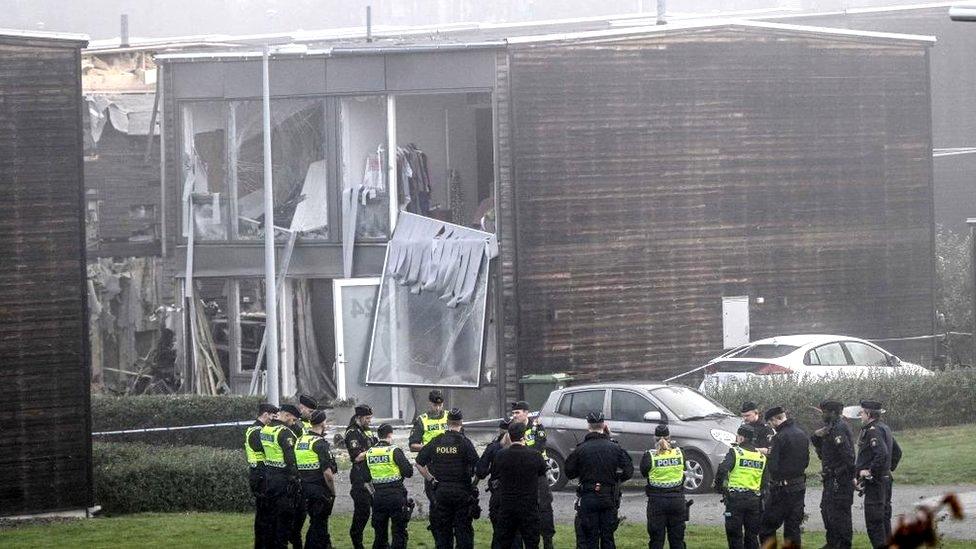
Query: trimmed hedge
{"points": [[113, 413], [137, 478], [943, 399]]}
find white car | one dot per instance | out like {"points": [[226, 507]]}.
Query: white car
{"points": [[805, 356]]}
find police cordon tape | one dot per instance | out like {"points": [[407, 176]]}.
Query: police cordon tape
{"points": [[247, 422]]}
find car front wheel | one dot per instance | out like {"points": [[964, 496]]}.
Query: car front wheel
{"points": [[698, 473], [557, 471]]}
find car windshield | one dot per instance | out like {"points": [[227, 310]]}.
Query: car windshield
{"points": [[688, 404], [767, 350]]}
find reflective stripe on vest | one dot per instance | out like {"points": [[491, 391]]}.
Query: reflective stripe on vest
{"points": [[433, 428], [667, 468], [382, 468], [747, 471], [530, 435], [274, 456], [306, 427], [305, 456], [253, 458]]}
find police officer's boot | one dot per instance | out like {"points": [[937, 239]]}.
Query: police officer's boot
{"points": [[547, 542]]}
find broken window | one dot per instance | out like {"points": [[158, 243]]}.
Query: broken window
{"points": [[430, 319], [300, 172], [204, 196], [365, 189]]}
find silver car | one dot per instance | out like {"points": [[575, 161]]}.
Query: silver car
{"points": [[703, 428]]}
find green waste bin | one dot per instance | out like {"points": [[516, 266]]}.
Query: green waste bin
{"points": [[536, 387]]}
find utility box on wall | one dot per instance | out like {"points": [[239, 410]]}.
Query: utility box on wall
{"points": [[735, 321]]}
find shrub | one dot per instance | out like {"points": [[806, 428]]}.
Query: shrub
{"points": [[113, 413], [136, 478], [943, 399]]}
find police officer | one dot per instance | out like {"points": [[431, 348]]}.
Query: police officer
{"points": [[484, 470], [786, 463], [878, 455], [667, 512], [448, 463], [387, 466], [518, 469], [359, 438], [740, 478], [254, 452], [317, 469], [283, 485], [601, 465], [834, 444], [307, 405], [751, 416], [535, 438], [427, 427]]}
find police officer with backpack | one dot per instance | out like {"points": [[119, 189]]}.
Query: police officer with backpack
{"points": [[667, 510], [359, 438], [317, 469], [283, 485], [740, 479]]}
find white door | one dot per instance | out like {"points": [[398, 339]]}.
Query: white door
{"points": [[735, 321], [354, 305]]}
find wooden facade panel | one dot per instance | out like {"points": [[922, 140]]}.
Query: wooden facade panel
{"points": [[654, 176], [44, 388]]}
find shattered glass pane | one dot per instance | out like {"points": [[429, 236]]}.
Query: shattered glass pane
{"points": [[204, 188], [419, 340], [365, 191]]}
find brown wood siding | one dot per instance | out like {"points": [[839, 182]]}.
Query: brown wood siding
{"points": [[655, 176], [44, 376]]}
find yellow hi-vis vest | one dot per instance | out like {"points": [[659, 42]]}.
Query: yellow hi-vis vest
{"points": [[305, 456], [306, 427], [667, 468], [747, 471], [382, 468], [253, 458], [530, 435], [433, 428], [274, 455]]}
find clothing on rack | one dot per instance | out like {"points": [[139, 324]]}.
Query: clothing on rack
{"points": [[413, 180]]}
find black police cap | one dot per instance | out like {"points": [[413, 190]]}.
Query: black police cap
{"points": [[748, 406], [291, 409], [595, 417], [454, 414], [872, 405], [773, 412], [746, 431], [436, 396], [520, 405], [308, 401], [317, 417], [832, 406], [516, 431], [384, 430], [662, 431], [267, 408], [363, 410]]}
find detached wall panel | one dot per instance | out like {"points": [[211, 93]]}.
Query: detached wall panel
{"points": [[44, 374]]}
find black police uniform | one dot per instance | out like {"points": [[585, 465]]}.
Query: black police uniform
{"points": [[547, 523], [390, 506], [483, 470], [787, 463], [357, 442], [834, 444], [518, 470], [764, 434], [416, 436], [743, 510], [451, 459], [667, 510], [298, 502], [879, 453], [319, 498], [263, 515], [601, 465], [283, 489]]}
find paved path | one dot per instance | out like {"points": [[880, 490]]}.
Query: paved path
{"points": [[708, 509]]}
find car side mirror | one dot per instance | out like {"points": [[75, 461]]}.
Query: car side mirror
{"points": [[654, 417]]}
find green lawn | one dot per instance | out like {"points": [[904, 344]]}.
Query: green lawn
{"points": [[952, 448], [234, 530]]}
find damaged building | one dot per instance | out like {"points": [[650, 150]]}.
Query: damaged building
{"points": [[467, 207]]}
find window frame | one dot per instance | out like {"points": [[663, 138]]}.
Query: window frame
{"points": [[850, 355], [843, 349], [569, 395]]}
